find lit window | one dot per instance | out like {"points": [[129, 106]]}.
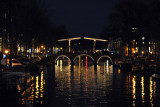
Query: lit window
{"points": [[136, 49], [143, 43], [5, 15], [143, 38], [149, 42], [149, 49], [134, 29]]}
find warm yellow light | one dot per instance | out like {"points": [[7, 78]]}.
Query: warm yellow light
{"points": [[6, 51], [134, 51], [94, 39], [142, 52], [42, 46], [151, 52], [69, 39]]}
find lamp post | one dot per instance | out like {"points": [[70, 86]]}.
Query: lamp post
{"points": [[42, 49], [6, 52]]}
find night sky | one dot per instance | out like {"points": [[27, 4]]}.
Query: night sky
{"points": [[81, 17]]}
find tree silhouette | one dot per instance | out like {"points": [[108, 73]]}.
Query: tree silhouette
{"points": [[127, 14]]}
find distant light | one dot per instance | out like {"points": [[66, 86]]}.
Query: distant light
{"points": [[149, 49], [134, 29], [29, 50], [6, 51], [42, 46], [143, 38], [4, 55], [142, 52], [134, 51]]}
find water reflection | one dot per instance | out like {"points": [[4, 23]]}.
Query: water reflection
{"points": [[151, 91], [85, 83], [142, 84], [85, 86], [31, 90], [134, 90]]}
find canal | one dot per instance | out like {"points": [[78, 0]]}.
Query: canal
{"points": [[107, 86]]}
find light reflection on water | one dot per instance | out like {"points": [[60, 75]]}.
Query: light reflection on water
{"points": [[86, 86], [98, 87]]}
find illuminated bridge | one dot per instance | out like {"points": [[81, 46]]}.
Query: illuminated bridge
{"points": [[96, 57]]}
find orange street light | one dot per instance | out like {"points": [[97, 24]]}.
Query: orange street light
{"points": [[134, 52], [6, 51], [42, 46]]}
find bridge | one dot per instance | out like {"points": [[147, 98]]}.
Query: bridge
{"points": [[86, 38], [96, 57]]}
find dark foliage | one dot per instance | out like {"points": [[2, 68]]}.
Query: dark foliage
{"points": [[127, 14]]}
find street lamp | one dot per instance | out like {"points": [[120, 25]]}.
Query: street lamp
{"points": [[42, 46], [6, 52], [134, 51]]}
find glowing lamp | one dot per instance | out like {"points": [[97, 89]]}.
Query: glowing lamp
{"points": [[42, 46], [134, 51], [6, 51]]}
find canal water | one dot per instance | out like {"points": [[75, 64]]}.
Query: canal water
{"points": [[107, 86]]}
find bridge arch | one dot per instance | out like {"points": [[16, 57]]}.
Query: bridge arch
{"points": [[62, 56], [83, 55], [105, 56]]}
